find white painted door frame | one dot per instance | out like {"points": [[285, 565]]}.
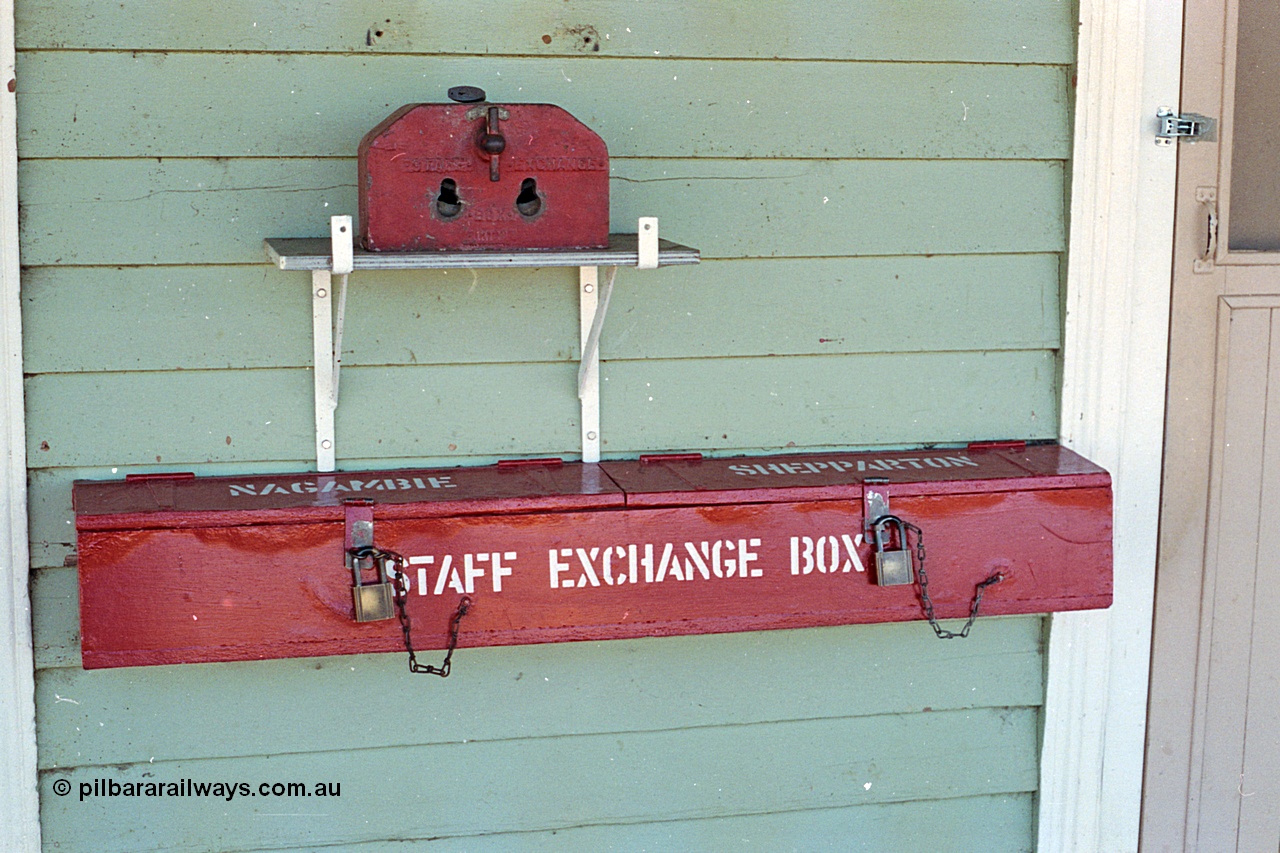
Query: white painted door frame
{"points": [[19, 803], [1113, 388]]}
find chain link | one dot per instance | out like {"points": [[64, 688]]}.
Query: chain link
{"points": [[922, 580], [401, 594]]}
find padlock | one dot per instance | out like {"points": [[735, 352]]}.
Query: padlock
{"points": [[373, 601], [893, 568]]}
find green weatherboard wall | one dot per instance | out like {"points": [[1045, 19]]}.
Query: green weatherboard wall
{"points": [[878, 191]]}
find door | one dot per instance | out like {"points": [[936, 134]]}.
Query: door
{"points": [[1212, 776]]}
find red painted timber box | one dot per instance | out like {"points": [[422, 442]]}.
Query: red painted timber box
{"points": [[188, 569], [476, 175]]}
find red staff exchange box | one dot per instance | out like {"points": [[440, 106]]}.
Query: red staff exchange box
{"points": [[180, 569]]}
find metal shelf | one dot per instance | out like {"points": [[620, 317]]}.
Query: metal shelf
{"points": [[315, 253], [331, 260]]}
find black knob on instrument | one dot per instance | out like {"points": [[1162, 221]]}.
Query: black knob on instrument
{"points": [[466, 94]]}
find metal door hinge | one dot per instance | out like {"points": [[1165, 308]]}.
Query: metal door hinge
{"points": [[1188, 127]]}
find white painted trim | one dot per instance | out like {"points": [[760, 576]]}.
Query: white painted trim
{"points": [[342, 238], [589, 364], [647, 243], [1113, 386], [19, 803], [323, 368]]}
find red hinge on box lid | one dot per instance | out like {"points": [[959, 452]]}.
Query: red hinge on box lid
{"points": [[1013, 444], [144, 478], [161, 487], [543, 462], [653, 458]]}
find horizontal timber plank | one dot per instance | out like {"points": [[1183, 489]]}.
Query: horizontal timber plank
{"points": [[172, 418], [104, 319], [55, 621], [775, 402], [537, 691], [994, 824], [167, 418], [94, 104], [218, 211], [503, 786], [960, 30], [86, 319], [960, 824], [52, 552]]}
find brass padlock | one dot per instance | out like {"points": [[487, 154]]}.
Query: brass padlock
{"points": [[375, 600], [893, 568]]}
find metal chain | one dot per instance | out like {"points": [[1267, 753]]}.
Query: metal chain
{"points": [[401, 594], [922, 578]]}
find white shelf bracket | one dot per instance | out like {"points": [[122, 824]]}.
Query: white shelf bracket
{"points": [[326, 336], [322, 360], [591, 328], [591, 311], [593, 304]]}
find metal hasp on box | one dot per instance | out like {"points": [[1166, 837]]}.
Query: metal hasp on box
{"points": [[475, 175], [186, 569]]}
